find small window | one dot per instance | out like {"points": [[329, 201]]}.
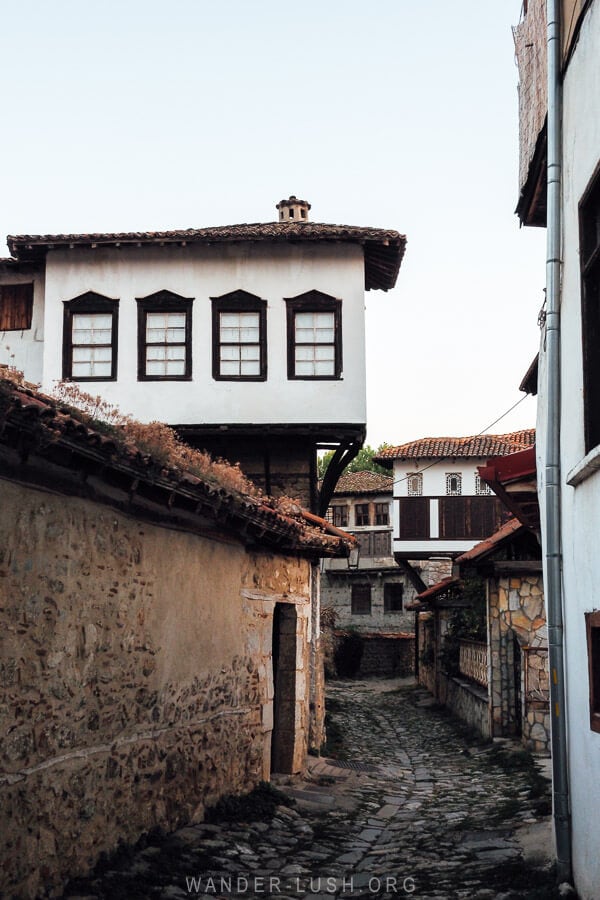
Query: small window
{"points": [[392, 597], [90, 327], [16, 307], [592, 622], [164, 337], [314, 336], [382, 513], [361, 514], [361, 600], [481, 488], [338, 515], [453, 484], [589, 239], [239, 327], [415, 484]]}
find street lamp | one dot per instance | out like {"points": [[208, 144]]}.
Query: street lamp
{"points": [[354, 557]]}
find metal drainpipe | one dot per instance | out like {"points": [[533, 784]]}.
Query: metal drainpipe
{"points": [[554, 600]]}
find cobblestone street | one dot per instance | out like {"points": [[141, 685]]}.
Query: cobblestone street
{"points": [[412, 807]]}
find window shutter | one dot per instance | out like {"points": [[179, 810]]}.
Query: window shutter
{"points": [[414, 518], [16, 306]]}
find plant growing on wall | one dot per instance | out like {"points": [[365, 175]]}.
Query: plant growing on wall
{"points": [[466, 622]]}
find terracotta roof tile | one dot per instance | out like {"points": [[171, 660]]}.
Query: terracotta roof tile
{"points": [[480, 445], [491, 543], [48, 430], [364, 482], [383, 248]]}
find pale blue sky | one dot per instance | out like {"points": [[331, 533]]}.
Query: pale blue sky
{"points": [[148, 115]]}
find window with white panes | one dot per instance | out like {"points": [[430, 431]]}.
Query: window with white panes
{"points": [[314, 336], [90, 338], [239, 343], [165, 344], [314, 343], [91, 341], [164, 337], [239, 337]]}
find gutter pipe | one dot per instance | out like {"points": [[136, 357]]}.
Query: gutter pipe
{"points": [[554, 598]]}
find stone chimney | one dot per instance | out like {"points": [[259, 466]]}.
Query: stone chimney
{"points": [[293, 210]]}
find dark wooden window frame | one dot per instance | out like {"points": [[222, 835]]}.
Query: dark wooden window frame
{"points": [[589, 245], [16, 306], [362, 511], [382, 513], [360, 596], [239, 301], [374, 543], [415, 523], [164, 302], [465, 517], [89, 303], [313, 301], [339, 515], [592, 627], [393, 597]]}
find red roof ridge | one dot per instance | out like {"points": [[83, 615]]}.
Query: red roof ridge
{"points": [[478, 445]]}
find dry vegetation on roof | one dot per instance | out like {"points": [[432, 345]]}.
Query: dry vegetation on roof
{"points": [[154, 439]]}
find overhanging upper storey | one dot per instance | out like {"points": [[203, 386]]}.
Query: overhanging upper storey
{"points": [[530, 50]]}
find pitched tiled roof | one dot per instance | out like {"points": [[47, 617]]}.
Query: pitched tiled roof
{"points": [[446, 584], [383, 248], [36, 427], [365, 482], [479, 445], [489, 544]]}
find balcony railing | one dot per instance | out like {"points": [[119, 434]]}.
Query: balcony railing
{"points": [[473, 661]]}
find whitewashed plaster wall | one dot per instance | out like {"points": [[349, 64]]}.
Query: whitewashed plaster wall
{"points": [[434, 475], [580, 503], [434, 486], [272, 272], [24, 349]]}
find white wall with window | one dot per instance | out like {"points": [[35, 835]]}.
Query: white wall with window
{"points": [[580, 453], [21, 329], [428, 485], [330, 382]]}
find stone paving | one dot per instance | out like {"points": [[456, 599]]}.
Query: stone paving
{"points": [[415, 808]]}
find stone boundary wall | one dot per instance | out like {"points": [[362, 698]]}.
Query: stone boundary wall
{"points": [[517, 614], [468, 702], [387, 656], [135, 679]]}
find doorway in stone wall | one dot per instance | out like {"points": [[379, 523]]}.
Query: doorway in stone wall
{"points": [[284, 683]]}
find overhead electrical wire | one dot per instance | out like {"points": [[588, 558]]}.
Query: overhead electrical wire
{"points": [[483, 431]]}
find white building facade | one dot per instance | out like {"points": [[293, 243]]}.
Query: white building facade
{"points": [[578, 363], [249, 339], [441, 506]]}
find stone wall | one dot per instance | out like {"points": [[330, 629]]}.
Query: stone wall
{"points": [[468, 701], [336, 592], [136, 679], [519, 663], [388, 655]]}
